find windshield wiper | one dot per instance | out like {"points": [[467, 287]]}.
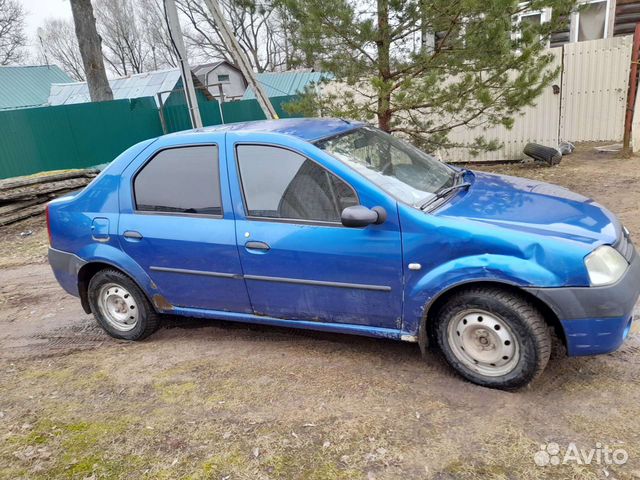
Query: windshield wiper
{"points": [[443, 192]]}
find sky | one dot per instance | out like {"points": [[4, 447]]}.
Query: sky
{"points": [[39, 10]]}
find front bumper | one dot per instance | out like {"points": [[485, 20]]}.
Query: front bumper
{"points": [[595, 320]]}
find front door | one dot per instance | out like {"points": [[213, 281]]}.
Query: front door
{"points": [[299, 262], [176, 228]]}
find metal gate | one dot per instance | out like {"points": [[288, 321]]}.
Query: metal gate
{"points": [[595, 80]]}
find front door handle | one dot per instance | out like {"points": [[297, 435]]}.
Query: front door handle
{"points": [[256, 246], [132, 234]]}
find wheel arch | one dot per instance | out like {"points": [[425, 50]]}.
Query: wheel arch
{"points": [[425, 333], [89, 270]]}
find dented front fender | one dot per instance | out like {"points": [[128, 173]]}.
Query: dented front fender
{"points": [[455, 251]]}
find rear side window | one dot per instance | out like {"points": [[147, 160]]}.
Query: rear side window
{"points": [[180, 180], [279, 183]]}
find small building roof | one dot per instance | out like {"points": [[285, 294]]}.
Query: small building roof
{"points": [[205, 67], [28, 86], [278, 84], [146, 84], [201, 71]]}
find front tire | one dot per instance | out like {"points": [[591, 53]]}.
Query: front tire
{"points": [[493, 338], [120, 307]]}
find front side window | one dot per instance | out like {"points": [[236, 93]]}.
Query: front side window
{"points": [[223, 78], [180, 180], [279, 183], [397, 167]]}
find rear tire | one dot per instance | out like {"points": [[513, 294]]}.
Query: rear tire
{"points": [[120, 307], [493, 338]]}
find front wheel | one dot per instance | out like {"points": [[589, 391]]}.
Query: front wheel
{"points": [[493, 338], [120, 307]]}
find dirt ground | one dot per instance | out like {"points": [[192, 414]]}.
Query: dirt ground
{"points": [[226, 401]]}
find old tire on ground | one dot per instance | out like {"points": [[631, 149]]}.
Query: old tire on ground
{"points": [[120, 307], [540, 153], [493, 338]]}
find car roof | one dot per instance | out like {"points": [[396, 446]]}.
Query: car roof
{"points": [[308, 129]]}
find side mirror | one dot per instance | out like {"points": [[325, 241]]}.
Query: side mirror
{"points": [[361, 216]]}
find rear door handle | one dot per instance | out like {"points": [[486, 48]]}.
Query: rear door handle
{"points": [[256, 246], [132, 234]]}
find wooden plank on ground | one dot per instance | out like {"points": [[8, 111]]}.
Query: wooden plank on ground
{"points": [[33, 191], [16, 182], [22, 214], [14, 207]]}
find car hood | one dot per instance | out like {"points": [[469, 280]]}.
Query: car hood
{"points": [[534, 207]]}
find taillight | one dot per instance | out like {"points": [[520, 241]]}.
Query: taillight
{"points": [[46, 210]]}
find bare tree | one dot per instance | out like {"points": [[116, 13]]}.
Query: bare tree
{"points": [[117, 23], [90, 50], [60, 45], [156, 34], [285, 31], [12, 37], [253, 23]]}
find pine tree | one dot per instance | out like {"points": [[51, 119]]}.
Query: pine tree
{"points": [[423, 67]]}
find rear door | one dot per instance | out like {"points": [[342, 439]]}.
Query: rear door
{"points": [[176, 222], [298, 260]]}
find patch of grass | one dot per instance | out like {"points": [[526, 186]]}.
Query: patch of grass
{"points": [[33, 438], [81, 436], [58, 375], [101, 467], [70, 378], [232, 464], [223, 464], [77, 449], [40, 434], [611, 430], [300, 466], [329, 471], [506, 453], [175, 392]]}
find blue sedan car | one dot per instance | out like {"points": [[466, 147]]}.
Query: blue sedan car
{"points": [[337, 226]]}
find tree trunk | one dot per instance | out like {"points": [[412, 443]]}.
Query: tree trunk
{"points": [[424, 30], [91, 50], [384, 66]]}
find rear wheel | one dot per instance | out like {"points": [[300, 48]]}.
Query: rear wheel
{"points": [[120, 307], [493, 338]]}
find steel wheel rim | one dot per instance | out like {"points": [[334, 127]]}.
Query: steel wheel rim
{"points": [[118, 307], [483, 342]]}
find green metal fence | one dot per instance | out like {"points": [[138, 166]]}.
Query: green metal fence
{"points": [[86, 134], [250, 109], [73, 136], [176, 114]]}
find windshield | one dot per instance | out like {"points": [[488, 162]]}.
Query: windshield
{"points": [[397, 167]]}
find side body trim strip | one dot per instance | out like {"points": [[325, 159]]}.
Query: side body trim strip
{"points": [[205, 273], [297, 281], [320, 283]]}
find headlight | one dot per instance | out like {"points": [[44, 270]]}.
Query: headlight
{"points": [[605, 266]]}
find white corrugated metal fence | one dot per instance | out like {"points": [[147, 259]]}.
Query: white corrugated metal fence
{"points": [[590, 106]]}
